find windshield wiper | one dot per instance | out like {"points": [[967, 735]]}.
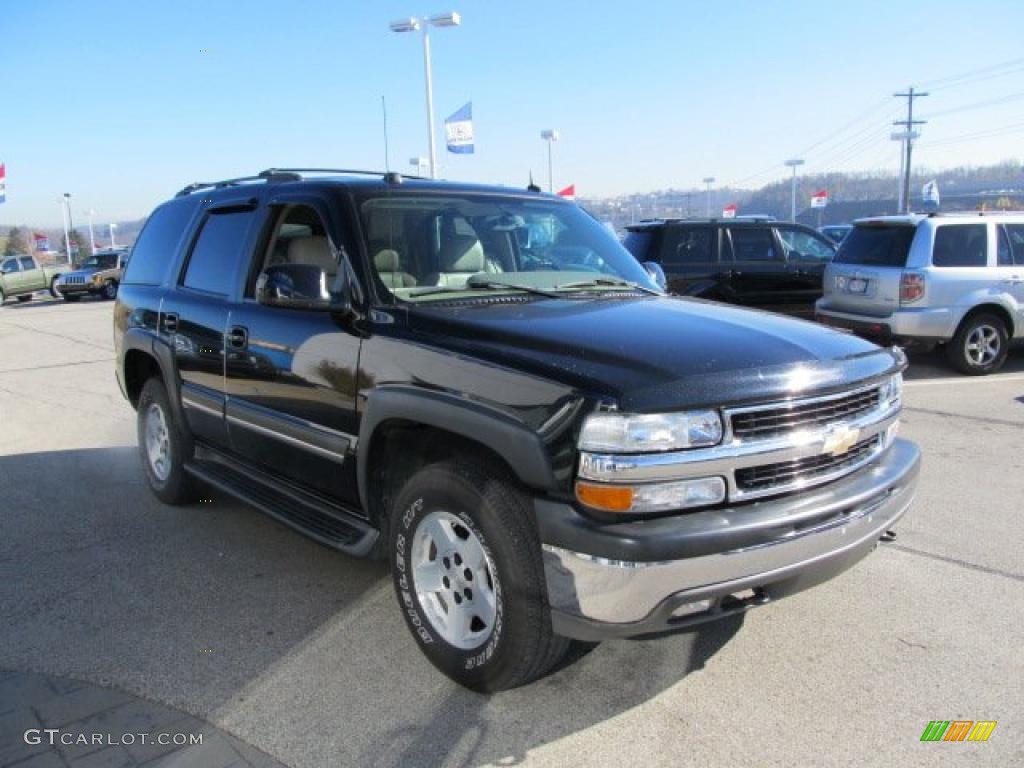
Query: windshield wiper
{"points": [[484, 285], [612, 282]]}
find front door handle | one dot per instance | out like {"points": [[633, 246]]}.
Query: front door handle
{"points": [[171, 322], [238, 337]]}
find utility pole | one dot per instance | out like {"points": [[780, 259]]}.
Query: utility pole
{"points": [[908, 127]]}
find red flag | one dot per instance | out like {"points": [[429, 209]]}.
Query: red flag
{"points": [[569, 192], [819, 199], [729, 212]]}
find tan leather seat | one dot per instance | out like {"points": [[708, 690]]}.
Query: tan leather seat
{"points": [[461, 256], [315, 250], [389, 268]]}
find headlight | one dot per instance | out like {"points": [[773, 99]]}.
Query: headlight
{"points": [[615, 432], [891, 394], [96, 279]]}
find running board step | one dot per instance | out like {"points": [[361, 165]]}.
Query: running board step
{"points": [[326, 523]]}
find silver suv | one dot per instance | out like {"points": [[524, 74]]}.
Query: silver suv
{"points": [[955, 280]]}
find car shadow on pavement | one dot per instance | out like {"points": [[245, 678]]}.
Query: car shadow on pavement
{"points": [[301, 651]]}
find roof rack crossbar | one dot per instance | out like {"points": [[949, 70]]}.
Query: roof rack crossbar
{"points": [[265, 176], [353, 171]]}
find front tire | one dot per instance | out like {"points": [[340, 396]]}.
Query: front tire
{"points": [[54, 290], [468, 574], [164, 446], [980, 345], [110, 290]]}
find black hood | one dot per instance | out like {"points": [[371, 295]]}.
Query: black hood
{"points": [[657, 352]]}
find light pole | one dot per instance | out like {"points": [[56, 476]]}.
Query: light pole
{"points": [[794, 164], [92, 236], [550, 135], [112, 226], [64, 216], [414, 24], [419, 163], [709, 180]]}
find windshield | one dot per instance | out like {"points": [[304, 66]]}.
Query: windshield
{"points": [[101, 261], [876, 246], [430, 246]]}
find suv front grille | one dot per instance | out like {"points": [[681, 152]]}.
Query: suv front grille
{"points": [[789, 473], [776, 419], [74, 280]]}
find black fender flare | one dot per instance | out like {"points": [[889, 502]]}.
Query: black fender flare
{"points": [[520, 447], [145, 341]]}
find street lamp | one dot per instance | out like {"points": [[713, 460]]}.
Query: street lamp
{"points": [[92, 236], [709, 180], [550, 135], [66, 212], [419, 163], [415, 24], [794, 163], [112, 226]]}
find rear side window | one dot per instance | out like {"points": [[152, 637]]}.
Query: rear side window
{"points": [[753, 244], [690, 245], [154, 250], [217, 251], [639, 243], [960, 245], [876, 246], [1011, 244]]}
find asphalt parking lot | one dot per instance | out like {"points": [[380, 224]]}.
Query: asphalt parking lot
{"points": [[224, 614]]}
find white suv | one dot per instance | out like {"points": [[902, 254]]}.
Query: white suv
{"points": [[951, 279]]}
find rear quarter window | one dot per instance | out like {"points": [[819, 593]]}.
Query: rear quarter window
{"points": [[154, 251], [960, 245], [876, 246]]}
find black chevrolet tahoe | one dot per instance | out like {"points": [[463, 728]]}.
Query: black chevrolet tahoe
{"points": [[481, 386], [769, 264]]}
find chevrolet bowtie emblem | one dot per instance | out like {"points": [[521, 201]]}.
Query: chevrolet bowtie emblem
{"points": [[840, 439]]}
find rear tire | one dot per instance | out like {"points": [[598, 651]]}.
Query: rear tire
{"points": [[164, 446], [468, 574], [980, 345]]}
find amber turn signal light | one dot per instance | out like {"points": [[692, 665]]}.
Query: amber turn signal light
{"points": [[611, 498]]}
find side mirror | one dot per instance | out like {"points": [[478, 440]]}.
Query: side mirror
{"points": [[654, 270], [297, 286]]}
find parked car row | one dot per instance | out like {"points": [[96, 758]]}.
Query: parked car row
{"points": [[22, 276]]}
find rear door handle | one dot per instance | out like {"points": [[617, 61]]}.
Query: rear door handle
{"points": [[171, 322], [238, 337]]}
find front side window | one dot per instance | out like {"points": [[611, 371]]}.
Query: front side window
{"points": [[27, 263], [960, 245], [753, 244], [803, 246], [217, 251], [298, 236], [426, 246]]}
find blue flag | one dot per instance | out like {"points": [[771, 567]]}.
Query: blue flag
{"points": [[458, 130]]}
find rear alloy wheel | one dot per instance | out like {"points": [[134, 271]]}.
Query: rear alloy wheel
{"points": [[163, 446], [110, 290], [54, 290], [980, 345], [468, 574]]}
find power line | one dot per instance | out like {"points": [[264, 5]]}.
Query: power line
{"points": [[978, 104], [985, 134], [984, 73]]}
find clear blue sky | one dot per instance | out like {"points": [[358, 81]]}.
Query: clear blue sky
{"points": [[113, 100]]}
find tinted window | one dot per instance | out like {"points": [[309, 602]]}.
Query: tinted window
{"points": [[876, 246], [690, 245], [753, 244], [27, 263], [10, 265], [803, 246], [960, 245], [211, 267], [638, 243], [154, 250], [1014, 234]]}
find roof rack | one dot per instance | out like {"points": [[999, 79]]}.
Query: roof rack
{"points": [[273, 175]]}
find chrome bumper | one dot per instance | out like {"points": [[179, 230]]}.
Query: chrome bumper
{"points": [[592, 598]]}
